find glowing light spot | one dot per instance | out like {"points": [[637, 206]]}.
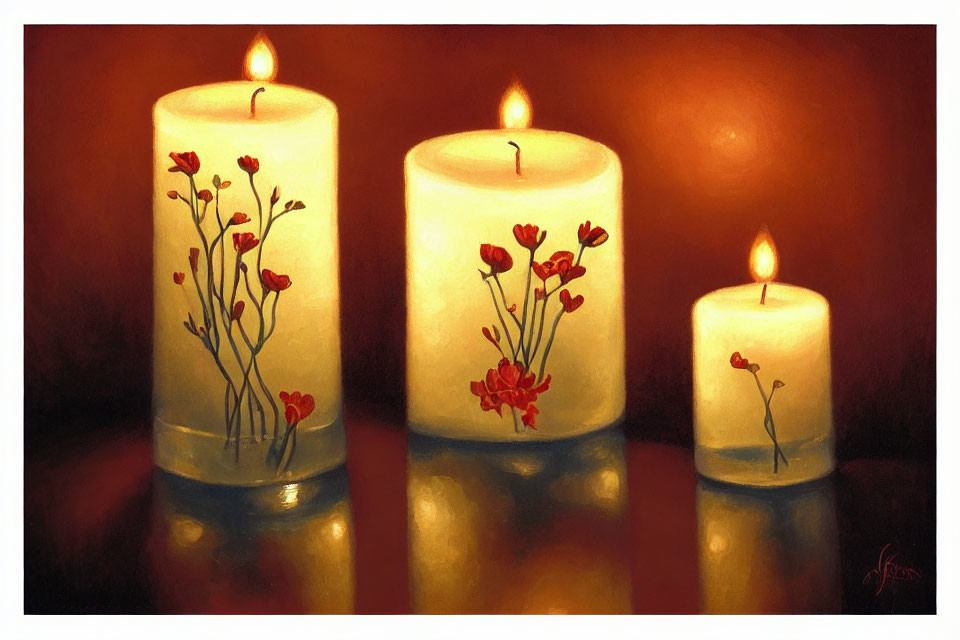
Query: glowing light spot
{"points": [[764, 261], [185, 531], [515, 109], [290, 495], [260, 63]]}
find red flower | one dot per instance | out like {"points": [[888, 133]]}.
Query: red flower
{"points": [[512, 385], [550, 267], [274, 282], [738, 362], [539, 293], [497, 257], [298, 407], [243, 242], [570, 304], [178, 277], [237, 310], [569, 271], [493, 337], [239, 218], [173, 195], [526, 235], [248, 164], [194, 259], [592, 237], [187, 162], [205, 195]]}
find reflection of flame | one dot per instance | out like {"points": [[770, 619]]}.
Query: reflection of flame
{"points": [[515, 109], [764, 260], [261, 60]]}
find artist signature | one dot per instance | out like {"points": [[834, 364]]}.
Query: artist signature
{"points": [[888, 571]]}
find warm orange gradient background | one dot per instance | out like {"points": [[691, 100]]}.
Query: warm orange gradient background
{"points": [[825, 134]]}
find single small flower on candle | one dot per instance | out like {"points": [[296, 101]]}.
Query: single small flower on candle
{"points": [[275, 282], [298, 406], [243, 242], [570, 304], [205, 195], [239, 218], [497, 258], [194, 258], [178, 277], [591, 237], [737, 361], [248, 164], [187, 162], [526, 235], [237, 310]]}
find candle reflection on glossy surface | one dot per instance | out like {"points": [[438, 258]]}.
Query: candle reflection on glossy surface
{"points": [[523, 529], [768, 551], [281, 549]]}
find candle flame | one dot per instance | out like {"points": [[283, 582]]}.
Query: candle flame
{"points": [[260, 63], [515, 109], [764, 260]]}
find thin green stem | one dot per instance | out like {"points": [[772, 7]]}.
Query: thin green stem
{"points": [[546, 350], [503, 323], [523, 325]]}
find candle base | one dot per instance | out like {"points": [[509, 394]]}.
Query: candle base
{"points": [[471, 430], [753, 465], [201, 455]]}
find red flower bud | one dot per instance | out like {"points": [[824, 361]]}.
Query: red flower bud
{"points": [[738, 362], [178, 277], [570, 304], [497, 257], [243, 242], [239, 218], [187, 162], [194, 258], [248, 164], [274, 282], [526, 235], [173, 195], [275, 196], [237, 310], [569, 272], [539, 293], [298, 407], [591, 237], [205, 195]]}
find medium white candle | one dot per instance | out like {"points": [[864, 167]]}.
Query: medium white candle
{"points": [[761, 375], [207, 391], [472, 189]]}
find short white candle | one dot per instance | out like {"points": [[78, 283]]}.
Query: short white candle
{"points": [[293, 138], [782, 359], [464, 190]]}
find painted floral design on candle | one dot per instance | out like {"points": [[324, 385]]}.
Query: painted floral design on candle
{"points": [[517, 380], [224, 327], [739, 362]]}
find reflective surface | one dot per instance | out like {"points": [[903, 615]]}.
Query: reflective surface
{"points": [[596, 524], [286, 548], [529, 528], [768, 550]]}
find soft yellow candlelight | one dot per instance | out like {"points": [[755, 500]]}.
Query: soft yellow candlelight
{"points": [[246, 296], [761, 379], [509, 232]]}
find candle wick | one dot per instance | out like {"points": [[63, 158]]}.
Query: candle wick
{"points": [[517, 147], [253, 102], [763, 294]]}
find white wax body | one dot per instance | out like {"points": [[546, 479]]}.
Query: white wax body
{"points": [[789, 338], [294, 136], [462, 191]]}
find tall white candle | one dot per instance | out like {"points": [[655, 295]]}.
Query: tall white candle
{"points": [[234, 404], [761, 380], [472, 189]]}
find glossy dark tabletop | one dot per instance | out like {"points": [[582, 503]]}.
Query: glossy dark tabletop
{"points": [[597, 524]]}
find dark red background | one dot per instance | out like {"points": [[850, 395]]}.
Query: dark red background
{"points": [[826, 134]]}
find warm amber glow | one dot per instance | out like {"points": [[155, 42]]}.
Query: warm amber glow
{"points": [[515, 109], [260, 62], [764, 260]]}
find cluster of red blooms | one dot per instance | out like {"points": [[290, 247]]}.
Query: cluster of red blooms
{"points": [[219, 309], [513, 382]]}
